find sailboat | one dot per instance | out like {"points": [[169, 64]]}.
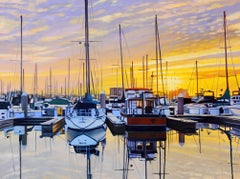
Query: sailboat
{"points": [[214, 106], [117, 94], [85, 115], [224, 103], [142, 110]]}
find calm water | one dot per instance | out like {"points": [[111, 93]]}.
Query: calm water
{"points": [[173, 156]]}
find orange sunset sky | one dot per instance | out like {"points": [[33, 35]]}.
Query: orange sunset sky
{"points": [[190, 31]]}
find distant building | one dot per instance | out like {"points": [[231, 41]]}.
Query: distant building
{"points": [[174, 93]]}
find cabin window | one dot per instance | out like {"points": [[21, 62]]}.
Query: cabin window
{"points": [[149, 146], [150, 103], [139, 104], [135, 104], [139, 146]]}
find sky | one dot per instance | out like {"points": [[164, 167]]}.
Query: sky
{"points": [[190, 31]]}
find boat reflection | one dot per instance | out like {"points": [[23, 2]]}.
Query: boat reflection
{"points": [[144, 145], [86, 142], [22, 132], [229, 131]]}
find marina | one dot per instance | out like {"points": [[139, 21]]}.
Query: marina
{"points": [[105, 89]]}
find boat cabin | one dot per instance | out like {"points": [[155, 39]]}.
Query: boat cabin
{"points": [[142, 104], [85, 109], [235, 98], [142, 149]]}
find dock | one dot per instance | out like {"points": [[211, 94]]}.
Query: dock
{"points": [[49, 125], [116, 125], [229, 120], [181, 124], [52, 126], [188, 122], [6, 123]]}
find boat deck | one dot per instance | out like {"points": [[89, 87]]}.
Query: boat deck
{"points": [[116, 125]]}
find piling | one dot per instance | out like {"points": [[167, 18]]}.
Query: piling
{"points": [[24, 103], [180, 103], [103, 100]]}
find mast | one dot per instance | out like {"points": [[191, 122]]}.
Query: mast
{"points": [[166, 80], [143, 70], [197, 77], [132, 76], [87, 49], [84, 82], [121, 58], [147, 71], [159, 52], [68, 77], [35, 80], [21, 72], [65, 87], [156, 41], [23, 79], [160, 57], [50, 81], [225, 48]]}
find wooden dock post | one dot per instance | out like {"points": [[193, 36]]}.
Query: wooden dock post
{"points": [[103, 100], [24, 103], [180, 103]]}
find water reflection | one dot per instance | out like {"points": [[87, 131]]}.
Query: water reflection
{"points": [[85, 142], [211, 152], [144, 146], [21, 131]]}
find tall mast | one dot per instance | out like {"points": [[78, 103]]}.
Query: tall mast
{"points": [[21, 72], [146, 71], [35, 80], [69, 77], [87, 49], [156, 41], [121, 58], [225, 47], [50, 81], [84, 82], [65, 87], [160, 57], [143, 70], [197, 76]]}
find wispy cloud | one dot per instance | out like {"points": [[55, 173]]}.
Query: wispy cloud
{"points": [[189, 29]]}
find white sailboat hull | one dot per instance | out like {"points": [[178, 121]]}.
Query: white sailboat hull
{"points": [[85, 122], [86, 138], [83, 140]]}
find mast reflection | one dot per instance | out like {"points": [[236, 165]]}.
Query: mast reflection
{"points": [[85, 142], [144, 145]]}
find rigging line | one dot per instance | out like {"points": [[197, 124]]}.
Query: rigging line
{"points": [[234, 69], [218, 75], [190, 78], [126, 44], [127, 83], [233, 66], [160, 58], [235, 73], [229, 42]]}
